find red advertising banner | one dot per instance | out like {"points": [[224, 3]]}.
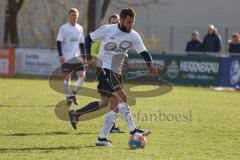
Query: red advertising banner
{"points": [[7, 62]]}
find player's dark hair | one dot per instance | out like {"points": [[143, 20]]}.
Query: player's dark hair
{"points": [[113, 16], [127, 12]]}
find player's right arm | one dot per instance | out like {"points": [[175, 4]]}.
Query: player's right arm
{"points": [[59, 45], [98, 34]]}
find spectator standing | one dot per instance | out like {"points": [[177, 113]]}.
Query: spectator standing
{"points": [[212, 40], [195, 44], [234, 45]]}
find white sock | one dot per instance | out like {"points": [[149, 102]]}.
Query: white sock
{"points": [[124, 110], [108, 123], [78, 84], [67, 88]]}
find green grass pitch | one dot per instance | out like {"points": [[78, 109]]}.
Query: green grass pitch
{"points": [[187, 124]]}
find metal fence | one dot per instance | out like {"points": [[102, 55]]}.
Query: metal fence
{"points": [[174, 38], [157, 40]]}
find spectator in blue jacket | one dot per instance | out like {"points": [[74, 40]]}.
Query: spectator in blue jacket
{"points": [[212, 40], [195, 44]]}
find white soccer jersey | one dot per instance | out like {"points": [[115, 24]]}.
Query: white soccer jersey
{"points": [[70, 36], [114, 46]]}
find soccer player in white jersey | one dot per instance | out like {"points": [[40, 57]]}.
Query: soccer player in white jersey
{"points": [[113, 19], [70, 45], [116, 39]]}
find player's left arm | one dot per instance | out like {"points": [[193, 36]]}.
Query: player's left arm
{"points": [[141, 49], [149, 62]]}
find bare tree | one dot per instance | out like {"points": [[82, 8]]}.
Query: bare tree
{"points": [[142, 2], [92, 12], [105, 7], [40, 22], [10, 26], [91, 15], [118, 4]]}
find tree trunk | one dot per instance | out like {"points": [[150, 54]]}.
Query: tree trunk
{"points": [[10, 26], [6, 25], [105, 7], [13, 29], [92, 11], [91, 15]]}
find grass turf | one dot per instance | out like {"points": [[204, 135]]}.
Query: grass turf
{"points": [[187, 123]]}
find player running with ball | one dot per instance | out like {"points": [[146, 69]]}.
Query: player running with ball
{"points": [[116, 39]]}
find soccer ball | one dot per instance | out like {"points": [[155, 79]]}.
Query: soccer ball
{"points": [[137, 141]]}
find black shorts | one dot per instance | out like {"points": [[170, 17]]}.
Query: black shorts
{"points": [[72, 67], [108, 82]]}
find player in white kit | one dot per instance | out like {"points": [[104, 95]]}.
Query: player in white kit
{"points": [[70, 45], [116, 39], [113, 19]]}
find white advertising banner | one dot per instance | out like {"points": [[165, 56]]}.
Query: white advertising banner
{"points": [[35, 61]]}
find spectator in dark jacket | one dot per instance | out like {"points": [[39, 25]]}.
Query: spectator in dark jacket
{"points": [[212, 41], [194, 45], [234, 45]]}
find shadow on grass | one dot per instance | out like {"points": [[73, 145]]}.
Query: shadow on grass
{"points": [[44, 149], [46, 134], [83, 133]]}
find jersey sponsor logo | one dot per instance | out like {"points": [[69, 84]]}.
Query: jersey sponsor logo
{"points": [[110, 46], [125, 45], [74, 39], [113, 47]]}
